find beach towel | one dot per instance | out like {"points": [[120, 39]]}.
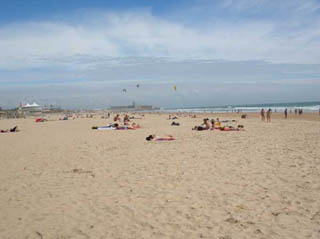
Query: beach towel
{"points": [[162, 139], [106, 128]]}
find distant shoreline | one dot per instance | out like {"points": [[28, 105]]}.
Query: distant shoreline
{"points": [[312, 106]]}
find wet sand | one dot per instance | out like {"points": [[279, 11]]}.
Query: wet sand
{"points": [[61, 179]]}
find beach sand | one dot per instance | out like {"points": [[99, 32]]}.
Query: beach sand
{"points": [[61, 179]]}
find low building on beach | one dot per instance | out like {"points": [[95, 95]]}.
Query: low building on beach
{"points": [[133, 107]]}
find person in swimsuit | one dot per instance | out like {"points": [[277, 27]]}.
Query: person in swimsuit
{"points": [[153, 137], [262, 114], [116, 118], [135, 126], [204, 126], [126, 118], [14, 129], [269, 115]]}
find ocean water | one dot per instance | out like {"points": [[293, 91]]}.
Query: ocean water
{"points": [[277, 107]]}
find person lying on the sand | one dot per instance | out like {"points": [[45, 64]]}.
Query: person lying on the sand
{"points": [[204, 126], [231, 128], [14, 129], [134, 126], [227, 121], [153, 137], [175, 123], [127, 125], [116, 126], [107, 127], [172, 117], [41, 120]]}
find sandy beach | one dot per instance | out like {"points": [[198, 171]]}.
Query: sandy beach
{"points": [[61, 179]]}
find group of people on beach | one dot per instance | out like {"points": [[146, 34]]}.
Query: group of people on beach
{"points": [[299, 111], [127, 124], [217, 124], [268, 114]]}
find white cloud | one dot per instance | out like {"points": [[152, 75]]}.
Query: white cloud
{"points": [[142, 34]]}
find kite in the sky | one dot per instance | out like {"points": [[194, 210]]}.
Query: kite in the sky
{"points": [[138, 85], [175, 87]]}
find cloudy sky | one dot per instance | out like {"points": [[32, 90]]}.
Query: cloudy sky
{"points": [[82, 53]]}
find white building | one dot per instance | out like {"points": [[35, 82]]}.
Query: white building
{"points": [[31, 107]]}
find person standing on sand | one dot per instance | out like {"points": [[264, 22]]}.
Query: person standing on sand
{"points": [[269, 115], [262, 114], [286, 113]]}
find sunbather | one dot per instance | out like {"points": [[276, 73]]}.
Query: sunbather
{"points": [[126, 118], [14, 129], [41, 120], [107, 127], [117, 118], [227, 121], [204, 126], [154, 137], [231, 128], [133, 126], [116, 126]]}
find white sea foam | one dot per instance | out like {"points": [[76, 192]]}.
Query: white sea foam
{"points": [[291, 107]]}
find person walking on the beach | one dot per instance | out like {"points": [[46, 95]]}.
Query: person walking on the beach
{"points": [[262, 114], [286, 113], [269, 115]]}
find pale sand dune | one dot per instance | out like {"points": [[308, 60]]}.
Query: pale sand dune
{"points": [[61, 179]]}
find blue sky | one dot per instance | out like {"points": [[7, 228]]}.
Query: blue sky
{"points": [[83, 53]]}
